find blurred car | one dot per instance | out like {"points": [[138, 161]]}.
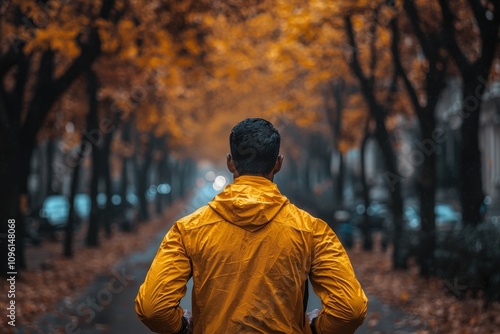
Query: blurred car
{"points": [[411, 217], [379, 219], [447, 218], [82, 205], [379, 215], [55, 210]]}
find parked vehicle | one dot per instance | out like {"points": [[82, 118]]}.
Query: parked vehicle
{"points": [[55, 209], [54, 213], [447, 218], [379, 215], [447, 221]]}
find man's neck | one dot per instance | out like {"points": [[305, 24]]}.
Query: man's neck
{"points": [[269, 176]]}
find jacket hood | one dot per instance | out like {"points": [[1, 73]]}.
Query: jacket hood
{"points": [[250, 202]]}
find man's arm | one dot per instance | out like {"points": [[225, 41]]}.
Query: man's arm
{"points": [[333, 280], [157, 303]]}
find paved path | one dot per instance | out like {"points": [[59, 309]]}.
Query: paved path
{"points": [[108, 304]]}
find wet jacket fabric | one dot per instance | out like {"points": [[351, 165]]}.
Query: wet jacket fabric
{"points": [[249, 252]]}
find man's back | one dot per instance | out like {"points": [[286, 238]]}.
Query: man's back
{"points": [[251, 255], [250, 252]]}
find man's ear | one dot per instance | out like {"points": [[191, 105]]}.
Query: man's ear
{"points": [[278, 164], [230, 163]]}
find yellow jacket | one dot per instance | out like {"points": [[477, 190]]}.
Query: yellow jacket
{"points": [[249, 252]]}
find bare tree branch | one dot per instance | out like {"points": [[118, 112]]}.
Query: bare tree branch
{"points": [[412, 13], [399, 67], [450, 38]]}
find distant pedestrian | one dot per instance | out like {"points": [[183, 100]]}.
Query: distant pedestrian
{"points": [[250, 252]]}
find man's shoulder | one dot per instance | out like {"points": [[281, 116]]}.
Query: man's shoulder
{"points": [[201, 217], [297, 218]]}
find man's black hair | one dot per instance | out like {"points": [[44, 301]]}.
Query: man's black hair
{"points": [[255, 145]]}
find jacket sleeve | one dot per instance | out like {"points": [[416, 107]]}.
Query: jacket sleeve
{"points": [[158, 301], [344, 303]]}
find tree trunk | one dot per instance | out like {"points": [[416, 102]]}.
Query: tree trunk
{"points": [[400, 253], [104, 152], [182, 178], [475, 76], [10, 160], [27, 140], [471, 186], [69, 229], [172, 177], [143, 177], [141, 194], [339, 185], [168, 178], [124, 179], [378, 113], [126, 206], [94, 218], [435, 77], [427, 189], [8, 188], [162, 175], [307, 179], [51, 147], [126, 129], [94, 136], [126, 223], [365, 223]]}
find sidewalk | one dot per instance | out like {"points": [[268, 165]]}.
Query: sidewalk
{"points": [[382, 319]]}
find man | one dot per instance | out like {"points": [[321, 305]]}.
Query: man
{"points": [[250, 252]]}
